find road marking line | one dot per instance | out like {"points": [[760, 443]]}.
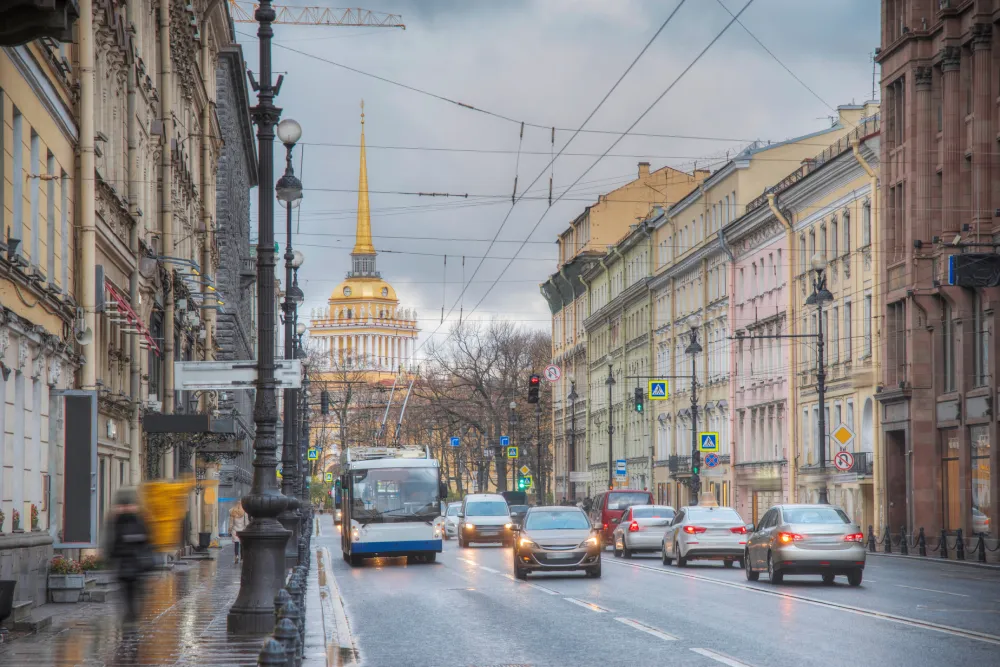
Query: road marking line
{"points": [[469, 561], [587, 605], [931, 590], [544, 589], [718, 657], [645, 628], [860, 611], [489, 569]]}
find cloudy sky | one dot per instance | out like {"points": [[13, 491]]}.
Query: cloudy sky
{"points": [[543, 62]]}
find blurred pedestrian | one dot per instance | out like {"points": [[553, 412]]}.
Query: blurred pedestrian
{"points": [[128, 547], [238, 521]]}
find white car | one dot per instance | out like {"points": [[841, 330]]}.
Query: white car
{"points": [[641, 529], [484, 517], [705, 532], [451, 520]]}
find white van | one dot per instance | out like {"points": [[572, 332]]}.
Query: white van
{"points": [[484, 517]]}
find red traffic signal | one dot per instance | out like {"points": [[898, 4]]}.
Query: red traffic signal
{"points": [[533, 385], [535, 380]]}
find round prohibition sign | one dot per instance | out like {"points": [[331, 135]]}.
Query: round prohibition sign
{"points": [[552, 373], [843, 460]]}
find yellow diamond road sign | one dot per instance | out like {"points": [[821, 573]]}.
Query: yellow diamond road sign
{"points": [[525, 470], [843, 435]]}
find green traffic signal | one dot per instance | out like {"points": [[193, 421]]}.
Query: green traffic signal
{"points": [[638, 399], [696, 469]]}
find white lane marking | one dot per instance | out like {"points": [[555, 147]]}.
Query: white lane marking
{"points": [[645, 628], [931, 590], [718, 657], [469, 561], [489, 569], [587, 605], [544, 589], [860, 611]]}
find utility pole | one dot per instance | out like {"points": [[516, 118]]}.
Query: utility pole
{"points": [[571, 454], [819, 295], [513, 465], [539, 487], [611, 426], [693, 349], [263, 542]]}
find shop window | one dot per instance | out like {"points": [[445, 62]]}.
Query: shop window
{"points": [[982, 505]]}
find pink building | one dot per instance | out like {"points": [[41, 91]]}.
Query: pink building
{"points": [[758, 246]]}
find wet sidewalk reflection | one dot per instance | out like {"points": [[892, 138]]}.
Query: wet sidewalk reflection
{"points": [[183, 622]]}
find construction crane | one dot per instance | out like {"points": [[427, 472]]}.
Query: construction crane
{"points": [[243, 12]]}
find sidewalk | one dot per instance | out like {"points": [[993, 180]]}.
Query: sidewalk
{"points": [[183, 623]]}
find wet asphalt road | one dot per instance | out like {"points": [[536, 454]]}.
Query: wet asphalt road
{"points": [[467, 609]]}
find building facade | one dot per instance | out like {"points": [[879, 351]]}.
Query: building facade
{"points": [[940, 191], [569, 295]]}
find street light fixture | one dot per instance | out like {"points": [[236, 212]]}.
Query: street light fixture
{"points": [[693, 348], [289, 190], [820, 296], [610, 382], [263, 541]]}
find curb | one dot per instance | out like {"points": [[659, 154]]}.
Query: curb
{"points": [[939, 561], [339, 640]]}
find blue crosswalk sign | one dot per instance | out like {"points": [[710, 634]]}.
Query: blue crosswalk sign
{"points": [[708, 442], [455, 441], [658, 390]]}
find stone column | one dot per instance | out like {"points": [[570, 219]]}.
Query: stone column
{"points": [[951, 61], [982, 142]]}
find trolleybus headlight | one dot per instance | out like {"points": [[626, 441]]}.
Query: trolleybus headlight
{"points": [[355, 535]]}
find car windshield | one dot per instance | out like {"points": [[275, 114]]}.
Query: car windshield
{"points": [[622, 501], [453, 510], [814, 515], [518, 509], [556, 520], [652, 513], [713, 514], [487, 508], [395, 494]]}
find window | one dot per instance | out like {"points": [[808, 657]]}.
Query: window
{"points": [[849, 419], [812, 247], [982, 506], [848, 335], [950, 489], [868, 324], [896, 342], [50, 220], [803, 257], [833, 239], [847, 233], [18, 178], [834, 340], [948, 345], [35, 170], [981, 337], [822, 241]]}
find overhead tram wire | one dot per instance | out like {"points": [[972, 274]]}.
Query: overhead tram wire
{"points": [[622, 136], [568, 142]]}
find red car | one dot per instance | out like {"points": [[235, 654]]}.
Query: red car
{"points": [[609, 506]]}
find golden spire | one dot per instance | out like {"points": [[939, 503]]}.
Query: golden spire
{"points": [[363, 238]]}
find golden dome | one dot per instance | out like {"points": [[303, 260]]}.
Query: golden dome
{"points": [[361, 288]]}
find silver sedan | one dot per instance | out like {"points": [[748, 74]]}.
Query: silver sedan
{"points": [[705, 532], [806, 539], [641, 529]]}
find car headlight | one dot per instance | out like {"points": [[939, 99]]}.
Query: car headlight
{"points": [[591, 542], [525, 542], [355, 535], [470, 526], [508, 526]]}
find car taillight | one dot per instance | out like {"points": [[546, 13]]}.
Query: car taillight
{"points": [[605, 526], [633, 527], [693, 530], [854, 537], [788, 538], [739, 530]]}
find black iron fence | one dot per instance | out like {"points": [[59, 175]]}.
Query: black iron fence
{"points": [[285, 646], [943, 546]]}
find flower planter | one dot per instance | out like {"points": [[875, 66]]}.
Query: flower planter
{"points": [[66, 587]]}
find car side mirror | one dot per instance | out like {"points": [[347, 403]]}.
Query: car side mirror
{"points": [[443, 490], [750, 528]]}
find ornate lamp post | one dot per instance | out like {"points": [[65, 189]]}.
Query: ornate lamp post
{"points": [[819, 296], [571, 453], [263, 542], [693, 349], [610, 381], [513, 464], [289, 192]]}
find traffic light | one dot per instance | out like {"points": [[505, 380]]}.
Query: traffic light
{"points": [[638, 399], [324, 402], [695, 483], [534, 382], [522, 483]]}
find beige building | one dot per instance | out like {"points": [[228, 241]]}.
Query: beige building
{"points": [[692, 283]]}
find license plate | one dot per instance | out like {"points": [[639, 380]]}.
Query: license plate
{"points": [[551, 556]]}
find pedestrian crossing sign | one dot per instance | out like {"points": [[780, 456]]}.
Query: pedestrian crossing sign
{"points": [[708, 442], [658, 390], [512, 452], [313, 454], [329, 477]]}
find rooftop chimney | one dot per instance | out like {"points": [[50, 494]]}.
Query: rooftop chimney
{"points": [[643, 170]]}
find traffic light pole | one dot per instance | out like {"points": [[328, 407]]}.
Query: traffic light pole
{"points": [[538, 453]]}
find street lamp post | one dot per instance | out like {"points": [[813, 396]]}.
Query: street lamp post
{"points": [[539, 490], [693, 349], [571, 454], [611, 426], [820, 295], [289, 192], [305, 479], [263, 541], [513, 465]]}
